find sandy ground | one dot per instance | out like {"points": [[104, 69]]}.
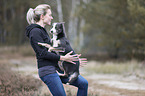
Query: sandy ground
{"points": [[99, 84]]}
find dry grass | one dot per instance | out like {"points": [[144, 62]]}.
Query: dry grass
{"points": [[103, 90], [122, 69], [112, 67], [14, 84], [24, 50]]}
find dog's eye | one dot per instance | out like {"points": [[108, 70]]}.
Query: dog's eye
{"points": [[56, 27]]}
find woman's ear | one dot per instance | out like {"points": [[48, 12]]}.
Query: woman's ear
{"points": [[42, 17]]}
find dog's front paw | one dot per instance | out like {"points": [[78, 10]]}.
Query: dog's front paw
{"points": [[44, 44], [58, 42]]}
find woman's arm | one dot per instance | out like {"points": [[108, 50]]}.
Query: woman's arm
{"points": [[41, 52]]}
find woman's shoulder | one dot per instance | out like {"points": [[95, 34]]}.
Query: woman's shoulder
{"points": [[36, 31]]}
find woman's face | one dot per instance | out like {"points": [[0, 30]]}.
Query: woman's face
{"points": [[48, 17]]}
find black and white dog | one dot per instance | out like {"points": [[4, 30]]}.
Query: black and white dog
{"points": [[59, 40]]}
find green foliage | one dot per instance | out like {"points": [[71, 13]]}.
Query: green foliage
{"points": [[117, 26], [13, 20], [112, 26]]}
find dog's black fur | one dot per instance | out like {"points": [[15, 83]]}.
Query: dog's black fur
{"points": [[71, 70]]}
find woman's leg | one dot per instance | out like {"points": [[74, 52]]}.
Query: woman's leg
{"points": [[54, 84], [81, 83]]}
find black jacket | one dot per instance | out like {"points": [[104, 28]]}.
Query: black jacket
{"points": [[36, 34]]}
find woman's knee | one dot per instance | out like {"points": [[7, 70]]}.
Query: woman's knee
{"points": [[83, 83]]}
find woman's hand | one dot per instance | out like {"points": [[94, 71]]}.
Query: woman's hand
{"points": [[83, 61], [70, 58]]}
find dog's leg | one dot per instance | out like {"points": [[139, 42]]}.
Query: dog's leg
{"points": [[62, 69], [60, 65], [72, 78], [44, 44], [62, 75]]}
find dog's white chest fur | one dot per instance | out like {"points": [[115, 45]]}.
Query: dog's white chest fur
{"points": [[55, 41]]}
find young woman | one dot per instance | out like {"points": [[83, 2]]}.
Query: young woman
{"points": [[47, 62]]}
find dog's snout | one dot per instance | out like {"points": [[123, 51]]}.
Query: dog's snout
{"points": [[51, 31]]}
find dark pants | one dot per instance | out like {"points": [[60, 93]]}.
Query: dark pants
{"points": [[54, 83]]}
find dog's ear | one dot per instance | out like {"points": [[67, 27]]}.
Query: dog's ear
{"points": [[62, 32], [63, 28], [62, 25]]}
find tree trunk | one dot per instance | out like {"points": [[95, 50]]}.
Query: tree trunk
{"points": [[4, 31], [59, 9], [13, 10], [21, 34], [81, 35], [5, 11], [73, 24]]}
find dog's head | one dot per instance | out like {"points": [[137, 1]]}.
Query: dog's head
{"points": [[57, 28]]}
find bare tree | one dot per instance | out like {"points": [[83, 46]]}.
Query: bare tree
{"points": [[59, 9], [73, 23]]}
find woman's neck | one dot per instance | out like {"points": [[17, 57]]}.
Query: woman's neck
{"points": [[41, 23]]}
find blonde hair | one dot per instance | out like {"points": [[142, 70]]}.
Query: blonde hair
{"points": [[33, 15]]}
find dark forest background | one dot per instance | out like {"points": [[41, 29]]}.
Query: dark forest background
{"points": [[105, 28]]}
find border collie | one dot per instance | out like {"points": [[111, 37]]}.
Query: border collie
{"points": [[60, 41]]}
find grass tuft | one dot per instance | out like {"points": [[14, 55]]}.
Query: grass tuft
{"points": [[112, 67]]}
